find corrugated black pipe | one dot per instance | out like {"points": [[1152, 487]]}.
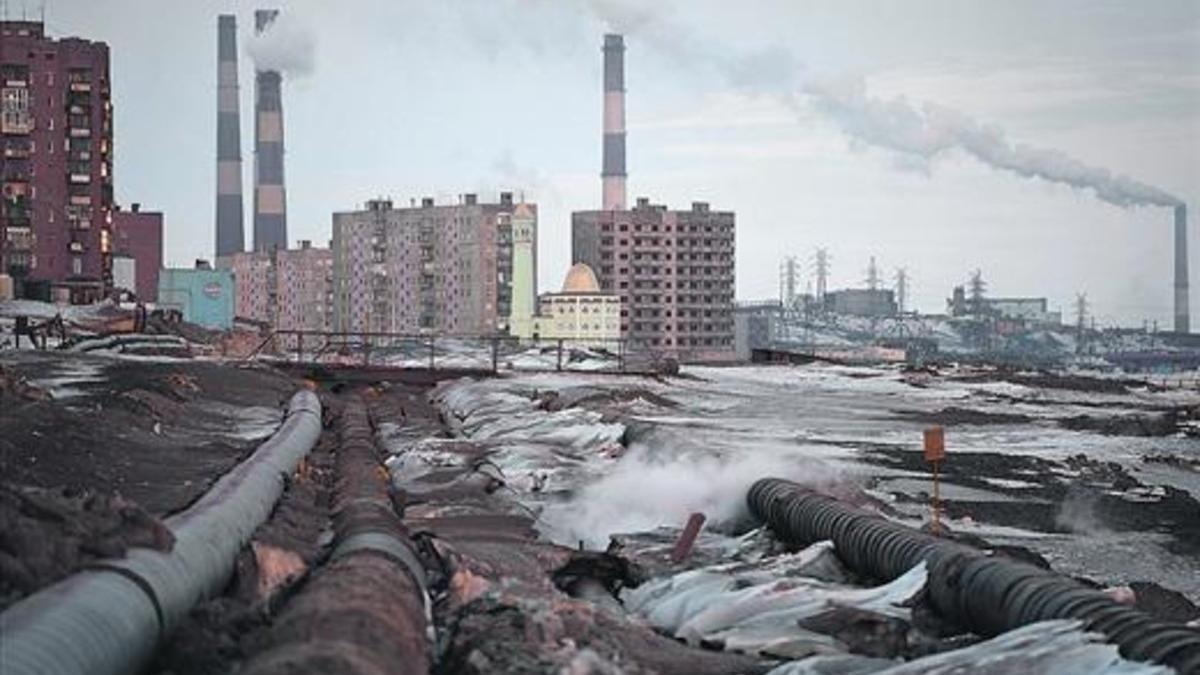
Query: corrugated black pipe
{"points": [[985, 594]]}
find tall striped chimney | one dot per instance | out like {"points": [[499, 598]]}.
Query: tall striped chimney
{"points": [[230, 233], [270, 199], [613, 172], [1182, 312]]}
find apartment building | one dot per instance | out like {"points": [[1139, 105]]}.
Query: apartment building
{"points": [[56, 135], [428, 268], [673, 271], [288, 289]]}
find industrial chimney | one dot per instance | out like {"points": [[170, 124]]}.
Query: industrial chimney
{"points": [[270, 199], [230, 233], [613, 171], [1182, 313]]}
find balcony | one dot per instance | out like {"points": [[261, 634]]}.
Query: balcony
{"points": [[80, 178], [81, 86], [80, 132]]}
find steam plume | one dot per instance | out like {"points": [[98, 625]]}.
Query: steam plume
{"points": [[287, 45], [920, 134], [926, 132]]}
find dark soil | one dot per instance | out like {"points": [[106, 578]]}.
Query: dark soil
{"points": [[45, 535], [1044, 379], [1165, 424], [1056, 500], [954, 415], [88, 475], [149, 432]]}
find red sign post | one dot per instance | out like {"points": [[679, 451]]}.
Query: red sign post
{"points": [[935, 453]]}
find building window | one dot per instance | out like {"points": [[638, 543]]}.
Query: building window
{"points": [[14, 111]]}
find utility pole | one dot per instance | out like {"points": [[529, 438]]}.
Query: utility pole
{"points": [[822, 270], [901, 289]]}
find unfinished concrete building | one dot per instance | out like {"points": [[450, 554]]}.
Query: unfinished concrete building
{"points": [[430, 268], [673, 270]]}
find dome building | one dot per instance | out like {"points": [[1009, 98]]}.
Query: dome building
{"points": [[580, 313]]}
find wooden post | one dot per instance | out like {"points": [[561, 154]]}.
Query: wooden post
{"points": [[495, 354], [687, 538], [935, 453], [432, 353], [558, 366], [300, 347]]}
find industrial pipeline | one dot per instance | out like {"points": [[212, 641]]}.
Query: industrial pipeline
{"points": [[367, 609], [111, 617], [988, 595]]}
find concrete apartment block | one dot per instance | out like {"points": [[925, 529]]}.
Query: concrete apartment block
{"points": [[674, 273], [428, 268]]}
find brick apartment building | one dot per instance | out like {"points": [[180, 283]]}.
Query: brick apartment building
{"points": [[428, 268], [57, 137], [674, 273], [286, 289], [138, 235]]}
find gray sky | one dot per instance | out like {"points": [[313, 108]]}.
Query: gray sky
{"points": [[407, 99]]}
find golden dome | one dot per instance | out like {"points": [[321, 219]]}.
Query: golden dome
{"points": [[580, 279]]}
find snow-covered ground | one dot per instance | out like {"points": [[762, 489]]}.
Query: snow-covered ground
{"points": [[608, 467]]}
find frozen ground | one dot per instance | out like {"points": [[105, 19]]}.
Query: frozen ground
{"points": [[599, 455]]}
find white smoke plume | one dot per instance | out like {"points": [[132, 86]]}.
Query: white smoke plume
{"points": [[288, 45], [919, 133], [928, 131]]}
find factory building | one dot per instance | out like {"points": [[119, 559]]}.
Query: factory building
{"points": [[286, 289], [672, 270], [439, 268], [203, 295], [138, 241], [867, 302], [1029, 311], [57, 136]]}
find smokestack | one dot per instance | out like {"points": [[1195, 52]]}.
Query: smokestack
{"points": [[613, 171], [1182, 313], [230, 233], [270, 199]]}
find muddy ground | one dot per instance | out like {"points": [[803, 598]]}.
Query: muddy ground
{"points": [[94, 451]]}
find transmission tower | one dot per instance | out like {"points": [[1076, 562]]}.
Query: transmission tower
{"points": [[1081, 319], [787, 281], [822, 270], [901, 289], [978, 288], [872, 275]]}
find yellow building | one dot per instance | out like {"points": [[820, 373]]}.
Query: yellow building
{"points": [[580, 313]]}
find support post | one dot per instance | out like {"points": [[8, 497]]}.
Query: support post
{"points": [[558, 365]]}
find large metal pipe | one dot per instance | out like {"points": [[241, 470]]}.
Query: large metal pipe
{"points": [[110, 618], [230, 233], [1183, 322], [985, 594], [612, 174], [270, 197], [374, 576]]}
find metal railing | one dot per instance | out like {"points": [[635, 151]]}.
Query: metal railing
{"points": [[491, 353]]}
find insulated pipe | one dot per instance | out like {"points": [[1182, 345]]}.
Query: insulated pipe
{"points": [[374, 578], [110, 618], [988, 595]]}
